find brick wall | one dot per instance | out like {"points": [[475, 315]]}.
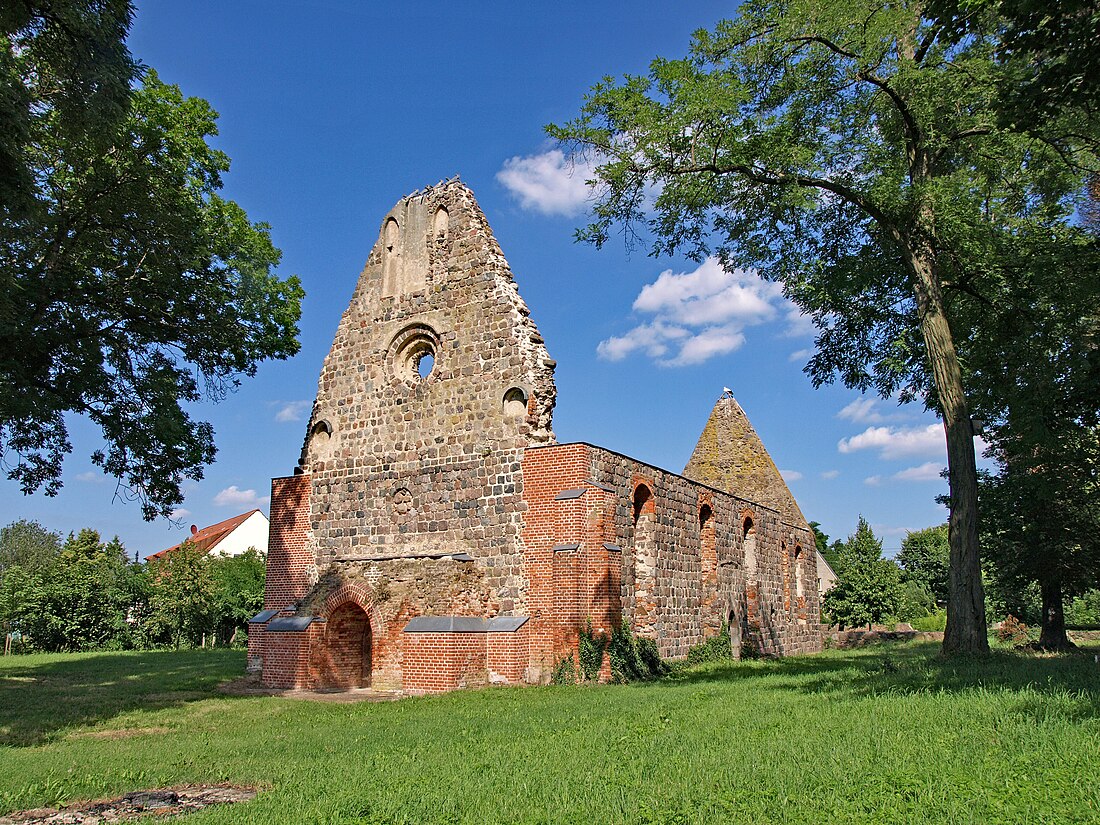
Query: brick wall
{"points": [[698, 576], [291, 569], [288, 657]]}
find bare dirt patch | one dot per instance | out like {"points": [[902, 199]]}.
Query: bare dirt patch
{"points": [[159, 802], [250, 686], [120, 733]]}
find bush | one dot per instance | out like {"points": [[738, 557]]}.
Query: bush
{"points": [[715, 649], [565, 672], [633, 659], [934, 623], [1012, 630], [590, 652]]}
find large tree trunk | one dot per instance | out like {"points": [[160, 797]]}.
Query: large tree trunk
{"points": [[1053, 635], [966, 631]]}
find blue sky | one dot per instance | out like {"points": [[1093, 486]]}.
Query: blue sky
{"points": [[332, 111]]}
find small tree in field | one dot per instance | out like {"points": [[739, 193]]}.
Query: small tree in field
{"points": [[182, 592], [868, 587]]}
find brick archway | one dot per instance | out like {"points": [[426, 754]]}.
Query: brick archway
{"points": [[346, 647]]}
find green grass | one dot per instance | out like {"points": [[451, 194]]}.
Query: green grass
{"points": [[889, 734]]}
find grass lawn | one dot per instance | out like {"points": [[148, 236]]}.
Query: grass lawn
{"points": [[890, 734]]}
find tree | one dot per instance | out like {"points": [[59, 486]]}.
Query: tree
{"points": [[239, 591], [1036, 379], [868, 587], [182, 592], [76, 602], [67, 58], [853, 153], [924, 559], [28, 545], [128, 287]]}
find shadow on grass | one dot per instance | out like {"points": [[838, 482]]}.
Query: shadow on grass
{"points": [[43, 694], [1065, 685]]}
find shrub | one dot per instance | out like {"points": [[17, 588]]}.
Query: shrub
{"points": [[935, 623], [590, 652], [1012, 630], [715, 649], [565, 672], [633, 659]]}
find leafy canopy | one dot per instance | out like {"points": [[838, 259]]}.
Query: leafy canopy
{"points": [[128, 287]]}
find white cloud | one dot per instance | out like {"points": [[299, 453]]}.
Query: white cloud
{"points": [[698, 315], [800, 355], [233, 496], [899, 442], [873, 481], [652, 339], [862, 411], [92, 477], [710, 295], [179, 513], [548, 183], [790, 475], [705, 345], [290, 411], [829, 475], [929, 471]]}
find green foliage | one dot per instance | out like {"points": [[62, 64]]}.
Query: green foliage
{"points": [[238, 592], [925, 559], [128, 288], [717, 648], [633, 659], [61, 60], [868, 587], [820, 539], [77, 601], [934, 623], [564, 672], [181, 598], [915, 601], [591, 647], [27, 544], [1084, 610]]}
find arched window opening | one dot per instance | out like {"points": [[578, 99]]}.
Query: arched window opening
{"points": [[515, 403], [440, 223], [645, 562]]}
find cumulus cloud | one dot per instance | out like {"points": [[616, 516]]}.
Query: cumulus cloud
{"points": [[829, 475], [873, 481], [179, 513], [897, 442], [862, 411], [698, 315], [652, 339], [233, 496], [92, 477], [929, 471], [291, 411], [548, 183], [790, 475], [800, 355]]}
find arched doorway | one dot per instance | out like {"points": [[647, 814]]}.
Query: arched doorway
{"points": [[346, 657], [735, 635]]}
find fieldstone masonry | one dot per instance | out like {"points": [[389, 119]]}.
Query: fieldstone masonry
{"points": [[436, 536]]}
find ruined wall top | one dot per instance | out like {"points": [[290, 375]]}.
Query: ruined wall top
{"points": [[436, 370]]}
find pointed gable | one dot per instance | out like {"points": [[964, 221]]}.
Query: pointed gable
{"points": [[731, 457]]}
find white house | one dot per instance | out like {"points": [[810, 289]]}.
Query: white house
{"points": [[230, 537]]}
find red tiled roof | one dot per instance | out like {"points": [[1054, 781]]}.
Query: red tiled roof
{"points": [[207, 538]]}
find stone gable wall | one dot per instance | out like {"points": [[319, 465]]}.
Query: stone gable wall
{"points": [[403, 465]]}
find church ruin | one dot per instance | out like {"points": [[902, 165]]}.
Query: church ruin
{"points": [[435, 535]]}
